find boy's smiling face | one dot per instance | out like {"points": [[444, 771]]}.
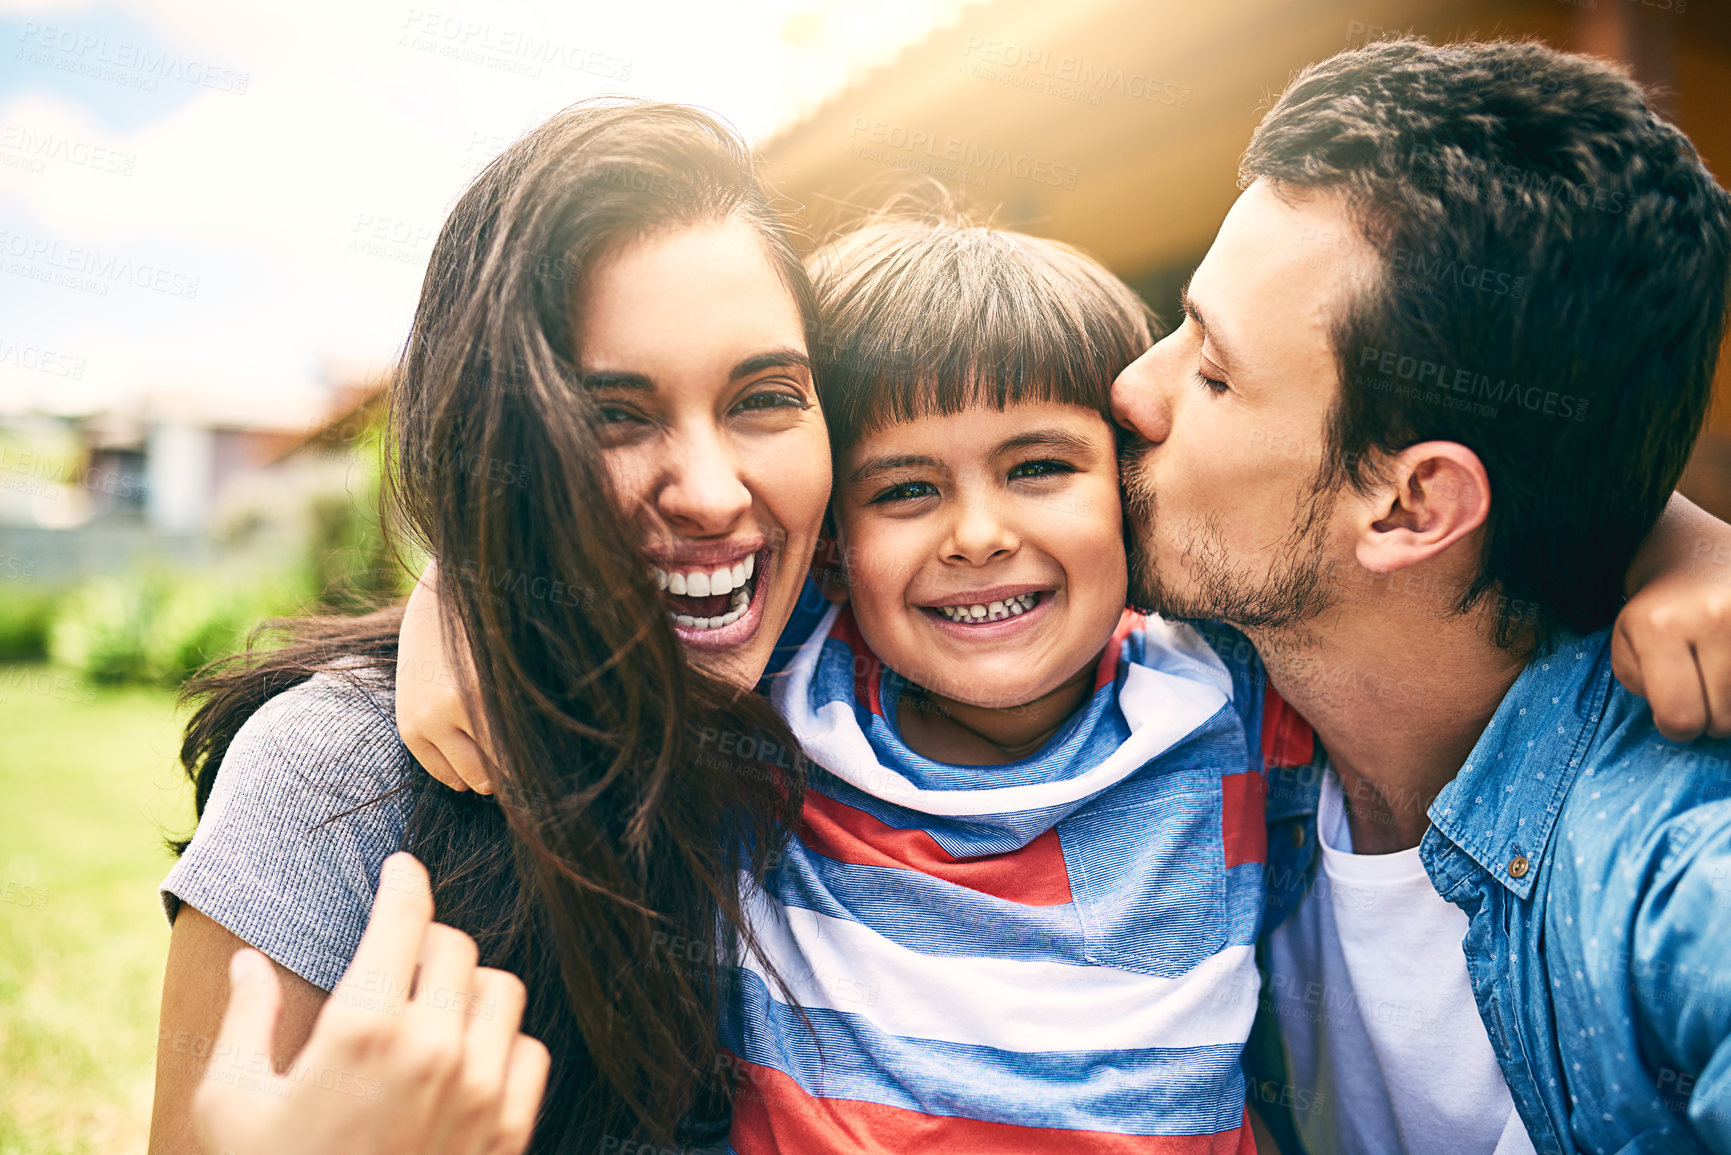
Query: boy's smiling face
{"points": [[1009, 513]]}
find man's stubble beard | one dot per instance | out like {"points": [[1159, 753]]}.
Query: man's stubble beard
{"points": [[1294, 591]]}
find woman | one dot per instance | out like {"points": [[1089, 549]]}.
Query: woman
{"points": [[607, 368]]}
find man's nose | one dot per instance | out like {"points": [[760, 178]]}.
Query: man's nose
{"points": [[1138, 402]]}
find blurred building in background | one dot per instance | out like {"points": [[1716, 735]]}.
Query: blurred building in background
{"points": [[137, 545], [170, 479], [1117, 125]]}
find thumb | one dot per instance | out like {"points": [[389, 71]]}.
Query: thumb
{"points": [[1626, 662], [249, 1024]]}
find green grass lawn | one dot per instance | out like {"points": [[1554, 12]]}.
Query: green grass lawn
{"points": [[88, 785]]}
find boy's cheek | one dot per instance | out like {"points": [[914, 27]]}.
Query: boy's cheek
{"points": [[872, 556]]}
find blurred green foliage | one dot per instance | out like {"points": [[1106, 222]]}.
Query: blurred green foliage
{"points": [[350, 562], [26, 618], [153, 625]]}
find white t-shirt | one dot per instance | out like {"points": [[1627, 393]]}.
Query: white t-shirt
{"points": [[1376, 1012]]}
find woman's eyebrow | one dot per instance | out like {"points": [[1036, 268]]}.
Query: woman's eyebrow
{"points": [[775, 359], [624, 379], [888, 463], [637, 381]]}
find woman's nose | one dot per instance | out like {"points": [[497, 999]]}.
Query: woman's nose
{"points": [[705, 494]]}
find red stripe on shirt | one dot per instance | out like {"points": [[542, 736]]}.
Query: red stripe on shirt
{"points": [[1128, 622], [867, 670], [1243, 818], [1034, 875], [773, 1114], [1287, 739]]}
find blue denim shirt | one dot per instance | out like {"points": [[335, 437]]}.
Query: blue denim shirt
{"points": [[1593, 861]]}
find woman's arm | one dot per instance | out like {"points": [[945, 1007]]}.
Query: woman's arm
{"points": [[194, 992], [416, 1051], [292, 844]]}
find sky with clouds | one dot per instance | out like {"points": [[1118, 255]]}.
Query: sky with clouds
{"points": [[227, 207]]}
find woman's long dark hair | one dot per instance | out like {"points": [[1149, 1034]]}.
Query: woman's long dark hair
{"points": [[614, 832]]}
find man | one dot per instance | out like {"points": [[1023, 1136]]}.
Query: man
{"points": [[1437, 376]]}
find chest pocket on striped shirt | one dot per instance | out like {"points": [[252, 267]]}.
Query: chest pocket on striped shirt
{"points": [[1147, 872]]}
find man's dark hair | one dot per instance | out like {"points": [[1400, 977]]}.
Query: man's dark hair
{"points": [[1551, 294]]}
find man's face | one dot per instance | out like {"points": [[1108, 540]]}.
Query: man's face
{"points": [[1230, 506]]}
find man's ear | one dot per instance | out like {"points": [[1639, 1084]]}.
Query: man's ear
{"points": [[1430, 496]]}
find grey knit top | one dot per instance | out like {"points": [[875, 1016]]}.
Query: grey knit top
{"points": [[288, 851]]}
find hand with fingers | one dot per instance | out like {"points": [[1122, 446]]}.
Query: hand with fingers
{"points": [[417, 1051], [1672, 646], [432, 707], [1672, 641]]}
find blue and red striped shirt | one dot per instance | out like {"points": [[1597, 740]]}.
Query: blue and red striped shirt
{"points": [[1052, 954]]}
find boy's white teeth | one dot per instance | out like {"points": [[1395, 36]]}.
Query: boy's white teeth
{"points": [[991, 611], [741, 601], [703, 583]]}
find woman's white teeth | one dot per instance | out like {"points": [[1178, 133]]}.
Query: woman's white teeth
{"points": [[741, 600], [991, 611], [703, 583]]}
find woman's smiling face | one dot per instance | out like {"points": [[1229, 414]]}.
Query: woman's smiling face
{"points": [[694, 351]]}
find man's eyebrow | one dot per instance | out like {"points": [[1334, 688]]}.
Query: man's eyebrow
{"points": [[1212, 332], [775, 359], [625, 379], [1060, 439], [888, 463]]}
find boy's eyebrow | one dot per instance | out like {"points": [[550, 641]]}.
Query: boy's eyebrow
{"points": [[888, 463], [1212, 332], [625, 379], [1059, 439]]}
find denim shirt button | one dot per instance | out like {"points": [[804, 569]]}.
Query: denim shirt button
{"points": [[1518, 866], [1298, 836]]}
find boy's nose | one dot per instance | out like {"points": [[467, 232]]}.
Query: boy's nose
{"points": [[980, 535]]}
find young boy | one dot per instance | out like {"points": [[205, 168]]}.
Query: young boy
{"points": [[1020, 911]]}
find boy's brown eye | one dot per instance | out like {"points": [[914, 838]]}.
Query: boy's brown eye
{"points": [[905, 491], [1041, 468]]}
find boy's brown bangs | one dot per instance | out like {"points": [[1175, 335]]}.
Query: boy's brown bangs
{"points": [[926, 319]]}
